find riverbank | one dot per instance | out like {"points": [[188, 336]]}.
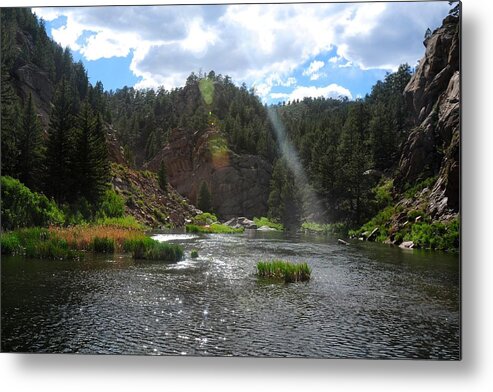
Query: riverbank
{"points": [[124, 235]]}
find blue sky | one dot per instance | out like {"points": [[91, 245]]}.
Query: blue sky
{"points": [[284, 51]]}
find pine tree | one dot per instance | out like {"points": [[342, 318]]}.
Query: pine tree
{"points": [[59, 179], [31, 149], [10, 114], [204, 199], [162, 177]]}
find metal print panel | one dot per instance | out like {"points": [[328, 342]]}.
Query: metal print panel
{"points": [[263, 180]]}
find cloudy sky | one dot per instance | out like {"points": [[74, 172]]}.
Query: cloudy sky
{"points": [[284, 51]]}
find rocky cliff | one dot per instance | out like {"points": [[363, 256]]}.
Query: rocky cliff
{"points": [[147, 202], [239, 184], [433, 147]]}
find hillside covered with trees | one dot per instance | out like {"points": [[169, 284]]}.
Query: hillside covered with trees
{"points": [[62, 138]]}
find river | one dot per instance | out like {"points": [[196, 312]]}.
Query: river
{"points": [[364, 300]]}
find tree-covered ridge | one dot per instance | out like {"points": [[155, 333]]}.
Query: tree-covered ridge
{"points": [[144, 118], [66, 157]]}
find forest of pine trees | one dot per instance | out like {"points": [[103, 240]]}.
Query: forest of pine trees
{"points": [[345, 147]]}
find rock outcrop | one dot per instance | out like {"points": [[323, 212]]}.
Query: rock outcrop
{"points": [[239, 184], [147, 202], [433, 147]]}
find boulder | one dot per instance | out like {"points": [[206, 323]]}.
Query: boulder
{"points": [[407, 245]]}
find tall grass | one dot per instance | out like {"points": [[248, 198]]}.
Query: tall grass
{"points": [[103, 245], [81, 237], [148, 249], [283, 271], [37, 242]]}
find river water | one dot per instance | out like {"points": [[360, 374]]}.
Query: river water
{"points": [[364, 300]]}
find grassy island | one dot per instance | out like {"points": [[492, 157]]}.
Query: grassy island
{"points": [[280, 270]]}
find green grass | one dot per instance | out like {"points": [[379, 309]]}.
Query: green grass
{"points": [[280, 270], [194, 253], [126, 222], [325, 228], [37, 243], [103, 245], [263, 221], [149, 249], [381, 220], [215, 228], [410, 191], [436, 235], [206, 218]]}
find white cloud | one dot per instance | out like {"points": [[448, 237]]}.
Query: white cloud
{"points": [[260, 44], [313, 67], [331, 91], [279, 95]]}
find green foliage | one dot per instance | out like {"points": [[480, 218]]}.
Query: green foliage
{"points": [[279, 270], [37, 243], [436, 235], [332, 229], [103, 245], [31, 149], [204, 199], [383, 194], [9, 243], [410, 191], [205, 218], [23, 208], [125, 222], [138, 246], [263, 221], [162, 177], [194, 254], [380, 221], [284, 198], [112, 205], [149, 249], [215, 228]]}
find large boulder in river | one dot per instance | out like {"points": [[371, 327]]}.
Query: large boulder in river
{"points": [[239, 183]]}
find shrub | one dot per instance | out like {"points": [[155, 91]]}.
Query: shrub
{"points": [[162, 177], [194, 254], [215, 228], [10, 244], [23, 208], [125, 222], [111, 206], [205, 218], [204, 199], [283, 271], [103, 245], [326, 229], [263, 221]]}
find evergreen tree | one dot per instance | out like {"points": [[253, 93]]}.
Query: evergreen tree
{"points": [[59, 177], [162, 177], [31, 149], [204, 199], [285, 203], [10, 114]]}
